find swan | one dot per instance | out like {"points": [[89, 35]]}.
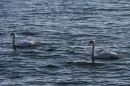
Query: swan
{"points": [[21, 45], [103, 55]]}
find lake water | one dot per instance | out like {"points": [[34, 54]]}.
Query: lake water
{"points": [[62, 29]]}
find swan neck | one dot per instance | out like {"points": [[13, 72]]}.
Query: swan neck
{"points": [[93, 50], [14, 40]]}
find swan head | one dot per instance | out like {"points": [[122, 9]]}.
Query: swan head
{"points": [[91, 42], [12, 34]]}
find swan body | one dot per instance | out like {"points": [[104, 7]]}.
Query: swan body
{"points": [[25, 44], [21, 45], [103, 55], [107, 55]]}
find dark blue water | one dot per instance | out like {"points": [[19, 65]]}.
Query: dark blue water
{"points": [[62, 30]]}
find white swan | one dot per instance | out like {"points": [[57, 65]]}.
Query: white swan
{"points": [[103, 55], [21, 45]]}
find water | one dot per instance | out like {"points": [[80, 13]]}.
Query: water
{"points": [[62, 29]]}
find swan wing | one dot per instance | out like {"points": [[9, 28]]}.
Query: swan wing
{"points": [[26, 44], [107, 55]]}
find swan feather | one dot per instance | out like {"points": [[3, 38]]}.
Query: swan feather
{"points": [[107, 55], [103, 55], [25, 44], [22, 45]]}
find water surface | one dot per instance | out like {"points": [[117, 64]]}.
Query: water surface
{"points": [[62, 30]]}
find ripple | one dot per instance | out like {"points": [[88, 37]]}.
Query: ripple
{"points": [[62, 30], [50, 66]]}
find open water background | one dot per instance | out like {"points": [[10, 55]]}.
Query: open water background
{"points": [[62, 29]]}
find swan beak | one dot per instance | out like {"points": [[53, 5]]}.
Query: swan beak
{"points": [[88, 44], [11, 34]]}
